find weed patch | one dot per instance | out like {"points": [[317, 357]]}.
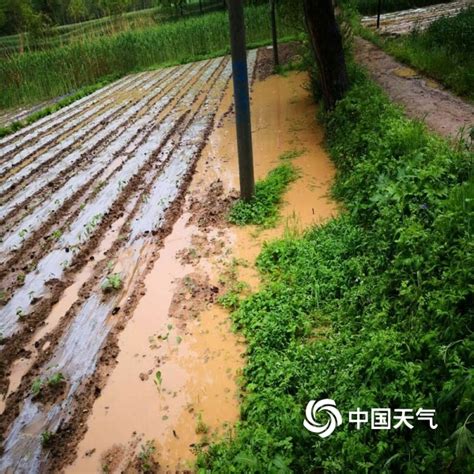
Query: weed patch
{"points": [[262, 209], [372, 309]]}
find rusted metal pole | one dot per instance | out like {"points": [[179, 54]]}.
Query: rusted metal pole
{"points": [[276, 61], [241, 98]]}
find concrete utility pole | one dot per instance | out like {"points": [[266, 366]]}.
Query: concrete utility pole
{"points": [[276, 61], [241, 98]]}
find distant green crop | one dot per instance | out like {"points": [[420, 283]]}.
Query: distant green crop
{"points": [[41, 75]]}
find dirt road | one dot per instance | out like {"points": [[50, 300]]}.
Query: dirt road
{"points": [[421, 97]]}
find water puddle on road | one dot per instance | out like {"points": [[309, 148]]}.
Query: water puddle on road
{"points": [[176, 379]]}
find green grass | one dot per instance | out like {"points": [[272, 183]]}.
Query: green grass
{"points": [[372, 309], [444, 51], [263, 208], [37, 76]]}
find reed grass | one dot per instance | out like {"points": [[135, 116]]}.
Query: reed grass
{"points": [[37, 76]]}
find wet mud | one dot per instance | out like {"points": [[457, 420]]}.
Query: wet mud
{"points": [[176, 379], [123, 351]]}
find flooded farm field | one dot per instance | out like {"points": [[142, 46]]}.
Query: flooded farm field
{"points": [[114, 250]]}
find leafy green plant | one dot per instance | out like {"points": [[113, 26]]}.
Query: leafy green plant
{"points": [[262, 209], [36, 386], [231, 298], [112, 282], [56, 379], [46, 438], [145, 457]]}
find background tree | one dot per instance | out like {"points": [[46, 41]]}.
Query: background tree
{"points": [[326, 42], [77, 10]]}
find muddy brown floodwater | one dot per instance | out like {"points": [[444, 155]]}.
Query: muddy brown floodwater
{"points": [[175, 382]]}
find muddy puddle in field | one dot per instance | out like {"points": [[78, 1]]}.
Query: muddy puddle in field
{"points": [[175, 383]]}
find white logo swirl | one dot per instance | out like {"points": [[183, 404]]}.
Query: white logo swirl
{"points": [[326, 405]]}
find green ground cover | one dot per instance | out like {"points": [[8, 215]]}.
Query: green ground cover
{"points": [[372, 309]]}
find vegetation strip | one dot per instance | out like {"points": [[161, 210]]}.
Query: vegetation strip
{"points": [[262, 209], [371, 309]]}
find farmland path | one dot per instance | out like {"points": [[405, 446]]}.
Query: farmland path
{"points": [[421, 97], [404, 21]]}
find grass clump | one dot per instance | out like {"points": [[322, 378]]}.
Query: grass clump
{"points": [[372, 309], [445, 51], [262, 209], [146, 462]]}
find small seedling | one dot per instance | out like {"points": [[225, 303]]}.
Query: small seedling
{"points": [[112, 283], [56, 379], [22, 233], [36, 387], [158, 379], [46, 438], [56, 235], [20, 278], [145, 456], [201, 427]]}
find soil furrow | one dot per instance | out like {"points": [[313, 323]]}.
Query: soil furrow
{"points": [[58, 174], [201, 124], [66, 114]]}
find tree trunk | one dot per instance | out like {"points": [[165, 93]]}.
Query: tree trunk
{"points": [[326, 42]]}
